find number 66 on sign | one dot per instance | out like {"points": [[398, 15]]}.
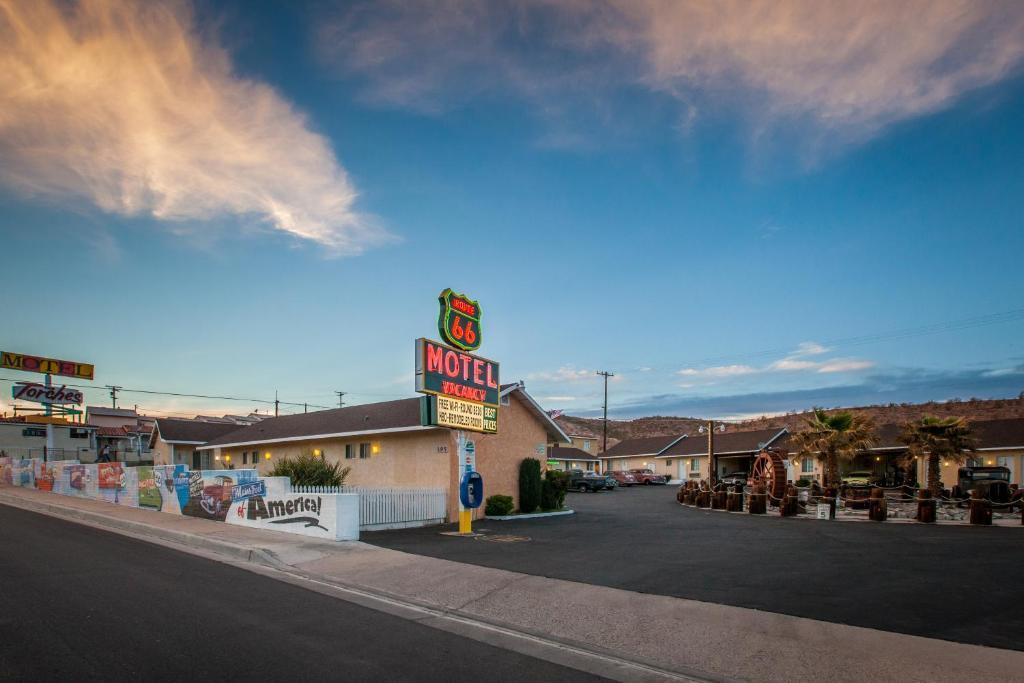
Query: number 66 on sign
{"points": [[459, 320]]}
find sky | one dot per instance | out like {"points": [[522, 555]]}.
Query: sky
{"points": [[738, 208]]}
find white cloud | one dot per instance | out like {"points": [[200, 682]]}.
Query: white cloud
{"points": [[126, 106], [1003, 372], [849, 67], [718, 371], [845, 365], [792, 364], [566, 373], [563, 399], [809, 348]]}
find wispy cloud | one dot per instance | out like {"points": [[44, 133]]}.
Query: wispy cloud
{"points": [[796, 361], [558, 399], [849, 68], [126, 105], [566, 373]]}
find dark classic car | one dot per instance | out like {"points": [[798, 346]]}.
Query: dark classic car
{"points": [[993, 482], [586, 481]]}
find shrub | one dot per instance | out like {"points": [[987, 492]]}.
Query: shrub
{"points": [[529, 485], [553, 488], [498, 506], [803, 483], [309, 470]]}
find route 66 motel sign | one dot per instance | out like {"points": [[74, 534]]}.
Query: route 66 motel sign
{"points": [[459, 321], [463, 389]]}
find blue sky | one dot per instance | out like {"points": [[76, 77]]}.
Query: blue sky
{"points": [[234, 199]]}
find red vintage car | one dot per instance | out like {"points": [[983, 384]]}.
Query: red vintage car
{"points": [[647, 477], [624, 478]]}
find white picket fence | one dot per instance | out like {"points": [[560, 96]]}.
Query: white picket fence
{"points": [[400, 508], [391, 508]]}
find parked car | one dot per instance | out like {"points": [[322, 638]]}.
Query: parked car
{"points": [[624, 478], [647, 477], [734, 479], [858, 478], [993, 482], [586, 481]]}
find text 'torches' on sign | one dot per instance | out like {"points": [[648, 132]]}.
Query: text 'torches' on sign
{"points": [[459, 321], [444, 371]]}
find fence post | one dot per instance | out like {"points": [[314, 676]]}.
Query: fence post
{"points": [[877, 508], [925, 506], [758, 501], [981, 509]]}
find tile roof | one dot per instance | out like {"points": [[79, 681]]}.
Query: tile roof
{"points": [[560, 453], [1005, 433], [648, 445], [367, 418], [728, 442], [192, 431]]}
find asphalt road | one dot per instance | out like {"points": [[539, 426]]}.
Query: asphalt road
{"points": [[78, 603], [955, 583]]}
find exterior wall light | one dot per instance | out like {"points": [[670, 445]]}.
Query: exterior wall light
{"points": [[227, 458], [375, 448], [217, 458], [317, 452], [266, 456], [878, 458], [945, 464]]}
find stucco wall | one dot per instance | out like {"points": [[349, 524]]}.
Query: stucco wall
{"points": [[417, 459]]}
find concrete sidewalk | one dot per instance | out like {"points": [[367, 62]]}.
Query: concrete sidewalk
{"points": [[695, 639]]}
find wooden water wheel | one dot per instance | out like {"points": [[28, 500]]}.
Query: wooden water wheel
{"points": [[770, 470]]}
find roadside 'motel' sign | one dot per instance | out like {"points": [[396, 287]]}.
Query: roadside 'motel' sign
{"points": [[462, 389], [46, 366]]}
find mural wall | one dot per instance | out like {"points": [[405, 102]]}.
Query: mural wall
{"points": [[238, 497]]}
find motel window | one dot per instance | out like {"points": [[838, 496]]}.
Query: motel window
{"points": [[364, 451], [668, 463], [33, 431], [245, 457], [505, 400], [586, 445], [694, 465], [350, 451], [807, 465], [79, 433]]}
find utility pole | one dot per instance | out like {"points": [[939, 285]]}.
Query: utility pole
{"points": [[341, 398], [305, 407], [604, 441], [276, 403], [712, 465], [113, 395]]}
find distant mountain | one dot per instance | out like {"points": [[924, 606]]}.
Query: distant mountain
{"points": [[974, 409]]}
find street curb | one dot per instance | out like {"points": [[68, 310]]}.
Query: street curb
{"points": [[532, 515], [96, 519]]}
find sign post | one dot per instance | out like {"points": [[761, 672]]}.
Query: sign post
{"points": [[467, 467], [462, 390]]}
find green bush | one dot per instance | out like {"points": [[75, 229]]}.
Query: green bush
{"points": [[529, 485], [553, 488], [310, 470], [803, 483], [498, 506]]}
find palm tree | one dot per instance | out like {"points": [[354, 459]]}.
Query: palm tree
{"points": [[830, 438], [939, 439]]}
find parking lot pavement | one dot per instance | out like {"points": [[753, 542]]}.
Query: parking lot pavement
{"points": [[953, 582]]}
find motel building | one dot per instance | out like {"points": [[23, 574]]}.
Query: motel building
{"points": [[734, 452], [386, 446], [998, 443], [642, 453], [567, 458], [177, 442]]}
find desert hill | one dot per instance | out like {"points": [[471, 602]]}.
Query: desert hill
{"points": [[974, 409]]}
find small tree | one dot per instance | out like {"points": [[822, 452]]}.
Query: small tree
{"points": [[529, 485], [307, 469], [937, 439], [830, 438], [553, 489]]}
